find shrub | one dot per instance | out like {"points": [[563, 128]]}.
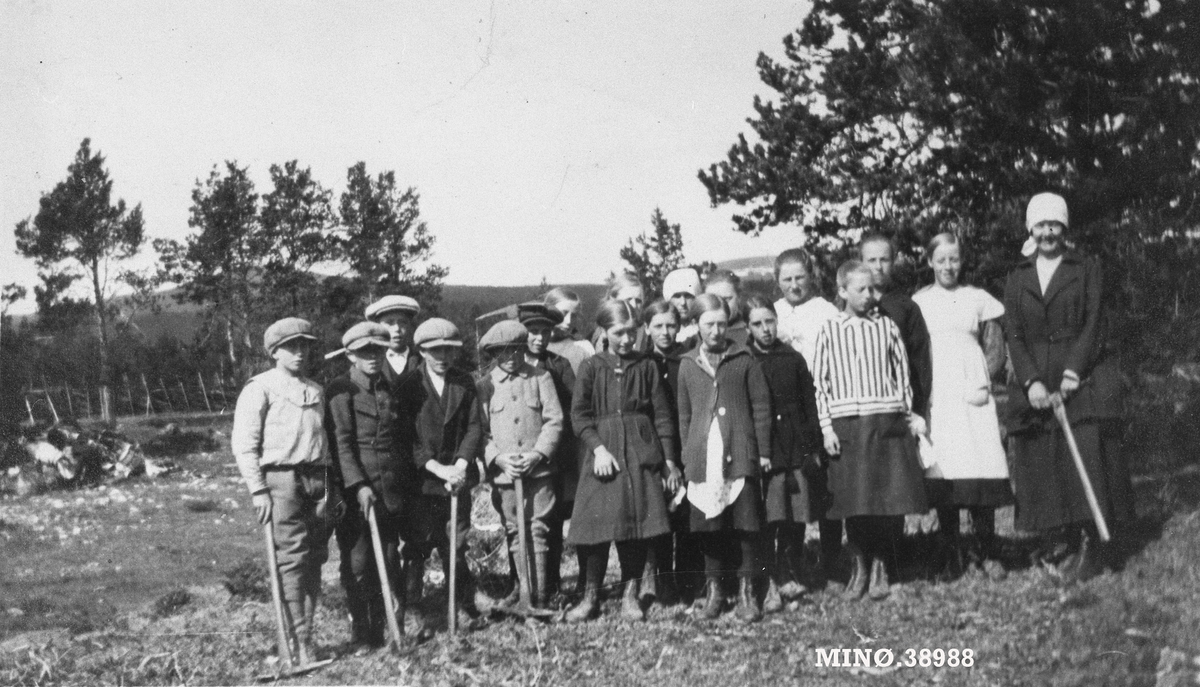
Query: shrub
{"points": [[248, 580], [171, 602]]}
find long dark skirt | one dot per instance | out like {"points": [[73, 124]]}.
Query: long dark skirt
{"points": [[791, 497], [628, 506], [968, 493], [744, 514], [878, 471], [1048, 489]]}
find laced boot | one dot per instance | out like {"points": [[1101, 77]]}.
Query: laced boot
{"points": [[748, 610], [857, 585], [541, 590], [879, 581], [304, 631], [631, 604], [773, 601], [589, 605], [648, 589], [714, 600], [294, 609]]}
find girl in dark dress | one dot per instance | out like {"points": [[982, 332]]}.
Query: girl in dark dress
{"points": [[620, 412], [793, 487], [725, 422], [1052, 308], [674, 560]]}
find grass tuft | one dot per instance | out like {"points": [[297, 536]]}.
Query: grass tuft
{"points": [[171, 602], [248, 580]]}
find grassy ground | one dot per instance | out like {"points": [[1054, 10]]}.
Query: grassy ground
{"points": [[124, 585]]}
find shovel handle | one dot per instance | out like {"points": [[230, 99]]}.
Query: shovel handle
{"points": [[522, 550], [452, 584], [281, 623], [1060, 414], [384, 578]]}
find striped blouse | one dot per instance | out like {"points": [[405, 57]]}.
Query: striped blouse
{"points": [[860, 368]]}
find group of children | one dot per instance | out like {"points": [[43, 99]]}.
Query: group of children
{"points": [[700, 433]]}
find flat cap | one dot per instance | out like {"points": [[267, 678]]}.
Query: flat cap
{"points": [[365, 334], [389, 303], [684, 280], [285, 330], [534, 312], [436, 332], [504, 333]]}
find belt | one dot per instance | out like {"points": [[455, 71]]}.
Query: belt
{"points": [[304, 468]]}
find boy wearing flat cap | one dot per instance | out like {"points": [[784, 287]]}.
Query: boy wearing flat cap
{"points": [[280, 447], [524, 424], [397, 314], [540, 320], [448, 431], [367, 438]]}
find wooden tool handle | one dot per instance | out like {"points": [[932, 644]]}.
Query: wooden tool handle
{"points": [[1060, 414], [384, 579], [281, 623]]}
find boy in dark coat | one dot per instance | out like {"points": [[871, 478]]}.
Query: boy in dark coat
{"points": [[368, 442], [448, 432]]}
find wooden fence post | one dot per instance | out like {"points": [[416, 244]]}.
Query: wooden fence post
{"points": [[129, 394], [203, 391], [70, 404], [146, 388], [87, 398], [170, 405], [187, 403]]}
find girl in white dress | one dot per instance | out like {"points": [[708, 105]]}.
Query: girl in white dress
{"points": [[967, 346]]}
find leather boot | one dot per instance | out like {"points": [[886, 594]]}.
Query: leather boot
{"points": [[307, 650], [879, 581], [648, 589], [631, 604], [541, 591], [773, 601], [294, 609], [748, 610], [794, 573], [714, 600], [857, 584], [589, 606]]}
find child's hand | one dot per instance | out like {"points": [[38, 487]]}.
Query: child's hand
{"points": [[832, 446], [916, 425], [1038, 396], [510, 464], [262, 507], [455, 476], [674, 478], [764, 463], [531, 460], [1070, 383], [366, 499], [604, 464]]}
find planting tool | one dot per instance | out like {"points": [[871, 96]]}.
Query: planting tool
{"points": [[384, 581], [287, 666], [281, 623], [524, 606], [1060, 414], [452, 585]]}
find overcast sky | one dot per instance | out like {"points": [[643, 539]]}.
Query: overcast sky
{"points": [[540, 136]]}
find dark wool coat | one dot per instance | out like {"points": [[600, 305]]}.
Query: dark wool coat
{"points": [[740, 400], [371, 444], [1047, 334], [619, 404], [1058, 331], [410, 366], [446, 429], [566, 454], [668, 375], [796, 431], [915, 335]]}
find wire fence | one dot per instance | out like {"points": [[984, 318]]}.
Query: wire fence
{"points": [[139, 395]]}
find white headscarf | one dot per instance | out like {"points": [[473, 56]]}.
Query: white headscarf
{"points": [[1042, 208]]}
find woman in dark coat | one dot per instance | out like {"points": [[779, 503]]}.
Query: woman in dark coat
{"points": [[1052, 303], [725, 423], [620, 412], [794, 486]]}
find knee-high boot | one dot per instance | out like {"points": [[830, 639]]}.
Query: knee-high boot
{"points": [[593, 575]]}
